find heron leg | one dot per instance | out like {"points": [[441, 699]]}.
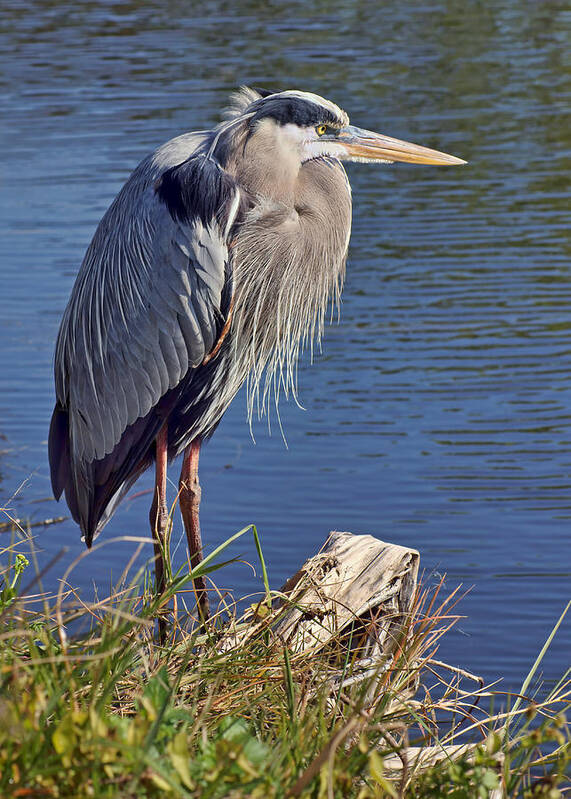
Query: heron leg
{"points": [[189, 498], [159, 518]]}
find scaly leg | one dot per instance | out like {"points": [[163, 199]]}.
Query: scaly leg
{"points": [[189, 498], [159, 518]]}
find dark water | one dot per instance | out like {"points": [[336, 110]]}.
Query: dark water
{"points": [[438, 414]]}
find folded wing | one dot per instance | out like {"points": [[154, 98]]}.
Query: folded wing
{"points": [[149, 303]]}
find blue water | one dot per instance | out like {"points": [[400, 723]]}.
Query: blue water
{"points": [[438, 413]]}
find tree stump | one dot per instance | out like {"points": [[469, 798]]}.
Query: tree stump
{"points": [[353, 602]]}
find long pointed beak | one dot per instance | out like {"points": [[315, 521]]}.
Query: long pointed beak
{"points": [[364, 145]]}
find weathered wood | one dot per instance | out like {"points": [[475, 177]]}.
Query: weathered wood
{"points": [[356, 585], [421, 758], [354, 599], [353, 578]]}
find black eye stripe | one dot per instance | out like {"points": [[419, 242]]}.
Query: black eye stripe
{"points": [[296, 110]]}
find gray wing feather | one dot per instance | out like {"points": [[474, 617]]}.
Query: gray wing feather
{"points": [[145, 309]]}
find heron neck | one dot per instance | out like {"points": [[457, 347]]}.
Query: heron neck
{"points": [[267, 168]]}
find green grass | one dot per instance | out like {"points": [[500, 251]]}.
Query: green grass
{"points": [[92, 705]]}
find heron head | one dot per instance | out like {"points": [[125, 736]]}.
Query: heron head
{"points": [[311, 127]]}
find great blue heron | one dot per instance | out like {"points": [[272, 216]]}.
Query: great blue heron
{"points": [[215, 263]]}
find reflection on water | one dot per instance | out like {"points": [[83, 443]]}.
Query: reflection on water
{"points": [[438, 413]]}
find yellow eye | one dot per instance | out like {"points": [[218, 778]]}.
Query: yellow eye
{"points": [[321, 129]]}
